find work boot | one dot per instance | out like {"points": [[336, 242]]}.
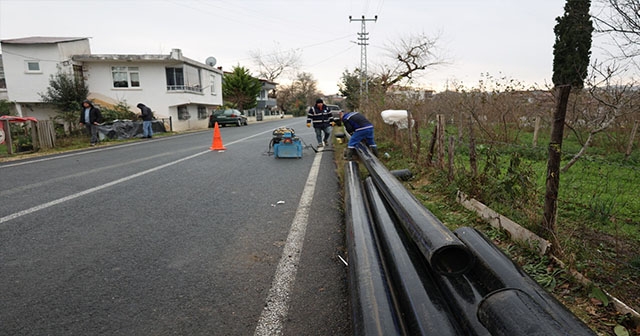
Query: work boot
{"points": [[350, 154], [374, 150]]}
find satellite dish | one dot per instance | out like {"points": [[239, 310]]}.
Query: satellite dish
{"points": [[211, 61]]}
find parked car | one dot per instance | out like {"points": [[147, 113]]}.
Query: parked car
{"points": [[335, 112], [227, 117]]}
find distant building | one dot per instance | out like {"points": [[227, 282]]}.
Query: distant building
{"points": [[174, 86], [266, 101], [411, 92]]}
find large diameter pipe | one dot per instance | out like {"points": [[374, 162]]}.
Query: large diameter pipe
{"points": [[443, 250], [423, 308], [463, 297], [512, 312], [493, 270], [373, 309]]}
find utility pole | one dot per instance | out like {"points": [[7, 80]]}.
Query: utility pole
{"points": [[362, 41]]}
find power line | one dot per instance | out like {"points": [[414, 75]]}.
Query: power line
{"points": [[363, 37]]}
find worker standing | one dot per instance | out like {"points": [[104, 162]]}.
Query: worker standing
{"points": [[322, 120], [147, 117]]}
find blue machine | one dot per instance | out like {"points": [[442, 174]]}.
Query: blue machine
{"points": [[286, 144]]}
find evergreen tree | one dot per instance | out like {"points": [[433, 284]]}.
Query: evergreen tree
{"points": [[572, 47], [66, 93], [241, 89], [350, 89], [571, 53]]}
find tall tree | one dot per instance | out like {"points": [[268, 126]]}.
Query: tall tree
{"points": [[409, 55], [412, 54], [297, 97], [241, 89], [571, 53], [66, 93], [620, 19], [350, 89], [276, 63]]}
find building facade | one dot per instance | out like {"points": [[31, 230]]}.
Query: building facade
{"points": [[175, 87]]}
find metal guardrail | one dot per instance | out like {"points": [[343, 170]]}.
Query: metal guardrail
{"points": [[410, 275]]}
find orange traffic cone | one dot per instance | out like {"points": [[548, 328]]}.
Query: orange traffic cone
{"points": [[217, 139]]}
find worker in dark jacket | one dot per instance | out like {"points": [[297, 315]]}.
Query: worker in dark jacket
{"points": [[90, 117], [360, 128], [147, 116], [322, 121]]}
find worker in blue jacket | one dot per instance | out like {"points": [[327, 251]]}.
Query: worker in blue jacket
{"points": [[360, 128]]}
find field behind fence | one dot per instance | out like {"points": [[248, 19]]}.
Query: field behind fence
{"points": [[493, 146]]}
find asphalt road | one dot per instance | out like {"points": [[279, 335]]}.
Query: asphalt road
{"points": [[165, 237]]}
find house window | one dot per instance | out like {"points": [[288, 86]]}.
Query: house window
{"points": [[183, 113], [202, 112], [183, 77], [3, 81], [124, 76], [78, 74], [33, 66]]}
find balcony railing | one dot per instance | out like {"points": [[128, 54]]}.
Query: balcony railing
{"points": [[189, 88]]}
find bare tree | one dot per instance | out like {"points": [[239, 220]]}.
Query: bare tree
{"points": [[297, 97], [276, 63], [412, 54], [613, 101], [620, 19]]}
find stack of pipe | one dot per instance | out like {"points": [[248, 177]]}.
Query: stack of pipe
{"points": [[410, 275]]}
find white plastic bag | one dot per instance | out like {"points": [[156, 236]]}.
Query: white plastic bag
{"points": [[396, 117]]}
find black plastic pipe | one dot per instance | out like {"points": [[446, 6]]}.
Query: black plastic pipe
{"points": [[512, 312], [493, 270], [372, 305], [463, 298], [443, 250], [402, 174], [423, 308]]}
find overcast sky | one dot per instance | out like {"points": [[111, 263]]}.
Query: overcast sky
{"points": [[512, 38]]}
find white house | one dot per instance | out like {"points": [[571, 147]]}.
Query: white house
{"points": [[266, 104], [174, 86], [28, 64]]}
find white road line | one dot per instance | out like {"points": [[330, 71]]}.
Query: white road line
{"points": [[92, 190], [85, 151], [275, 310], [112, 183]]}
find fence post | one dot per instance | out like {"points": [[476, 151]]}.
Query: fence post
{"points": [[631, 139], [35, 143], [7, 136], [451, 153], [440, 141]]}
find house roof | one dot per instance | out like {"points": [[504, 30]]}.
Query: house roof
{"points": [[42, 40], [175, 56], [115, 57]]}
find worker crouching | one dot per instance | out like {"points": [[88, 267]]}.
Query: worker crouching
{"points": [[360, 129]]}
